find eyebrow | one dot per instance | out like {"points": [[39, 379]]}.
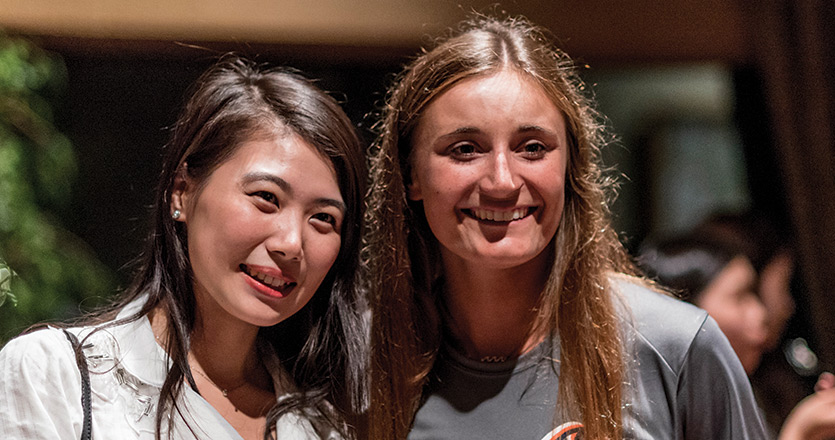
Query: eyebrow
{"points": [[461, 130], [257, 176], [521, 129], [260, 176], [324, 201], [536, 128]]}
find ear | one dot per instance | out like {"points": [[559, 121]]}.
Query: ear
{"points": [[413, 190], [180, 193]]}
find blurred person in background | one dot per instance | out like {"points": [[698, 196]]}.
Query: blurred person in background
{"points": [[721, 279], [772, 257], [790, 368]]}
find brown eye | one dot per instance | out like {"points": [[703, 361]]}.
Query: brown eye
{"points": [[534, 150], [267, 196], [325, 217], [463, 151], [325, 223], [265, 201]]}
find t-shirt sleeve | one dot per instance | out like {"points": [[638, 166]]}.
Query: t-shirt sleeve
{"points": [[715, 400], [40, 388]]}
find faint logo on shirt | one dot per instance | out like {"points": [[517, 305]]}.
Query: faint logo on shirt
{"points": [[566, 431]]}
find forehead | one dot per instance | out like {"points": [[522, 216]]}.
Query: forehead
{"points": [[506, 97], [282, 153]]}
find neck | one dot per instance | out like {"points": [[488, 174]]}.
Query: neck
{"points": [[227, 355], [492, 312], [221, 350], [227, 368]]}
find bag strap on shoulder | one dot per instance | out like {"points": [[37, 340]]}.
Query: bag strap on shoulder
{"points": [[81, 361]]}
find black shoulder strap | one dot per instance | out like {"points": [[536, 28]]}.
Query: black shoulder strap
{"points": [[81, 360]]}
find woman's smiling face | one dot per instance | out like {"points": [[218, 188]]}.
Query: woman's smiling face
{"points": [[263, 229], [489, 162]]}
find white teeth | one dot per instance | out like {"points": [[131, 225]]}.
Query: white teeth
{"points": [[275, 283], [500, 216]]}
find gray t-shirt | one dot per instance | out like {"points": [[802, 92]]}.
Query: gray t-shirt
{"points": [[683, 382]]}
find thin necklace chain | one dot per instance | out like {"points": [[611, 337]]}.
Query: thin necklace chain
{"points": [[224, 391], [452, 328]]}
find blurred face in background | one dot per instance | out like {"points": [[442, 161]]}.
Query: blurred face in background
{"points": [[731, 299], [775, 292]]}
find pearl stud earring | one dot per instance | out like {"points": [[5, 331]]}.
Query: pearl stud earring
{"points": [[176, 214]]}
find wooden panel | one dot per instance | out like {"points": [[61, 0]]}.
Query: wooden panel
{"points": [[627, 30]]}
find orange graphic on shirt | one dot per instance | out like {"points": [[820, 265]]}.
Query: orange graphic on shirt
{"points": [[566, 431]]}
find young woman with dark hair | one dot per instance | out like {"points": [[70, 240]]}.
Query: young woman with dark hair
{"points": [[244, 319], [504, 304]]}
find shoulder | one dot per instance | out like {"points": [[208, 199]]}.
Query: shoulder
{"points": [[682, 358], [655, 315], [40, 385], [663, 325], [31, 351], [38, 361]]}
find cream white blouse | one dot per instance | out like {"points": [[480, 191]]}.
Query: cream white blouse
{"points": [[40, 389]]}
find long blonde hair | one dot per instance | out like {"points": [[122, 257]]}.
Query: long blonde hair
{"points": [[398, 248]]}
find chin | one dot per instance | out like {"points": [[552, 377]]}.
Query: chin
{"points": [[266, 317], [264, 321], [511, 252], [504, 260], [751, 365]]}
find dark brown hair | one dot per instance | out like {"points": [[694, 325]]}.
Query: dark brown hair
{"points": [[324, 345], [685, 264], [399, 247]]}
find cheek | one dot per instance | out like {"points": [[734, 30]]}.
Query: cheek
{"points": [[720, 310], [559, 192], [548, 176], [322, 254], [737, 323], [443, 189], [229, 232], [554, 189], [437, 178], [558, 179], [239, 228], [775, 290]]}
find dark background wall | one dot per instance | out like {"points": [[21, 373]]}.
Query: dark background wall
{"points": [[117, 110]]}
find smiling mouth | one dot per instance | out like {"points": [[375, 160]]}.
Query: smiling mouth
{"points": [[271, 282], [487, 215]]}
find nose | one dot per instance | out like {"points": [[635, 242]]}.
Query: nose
{"points": [[286, 238], [500, 179]]}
